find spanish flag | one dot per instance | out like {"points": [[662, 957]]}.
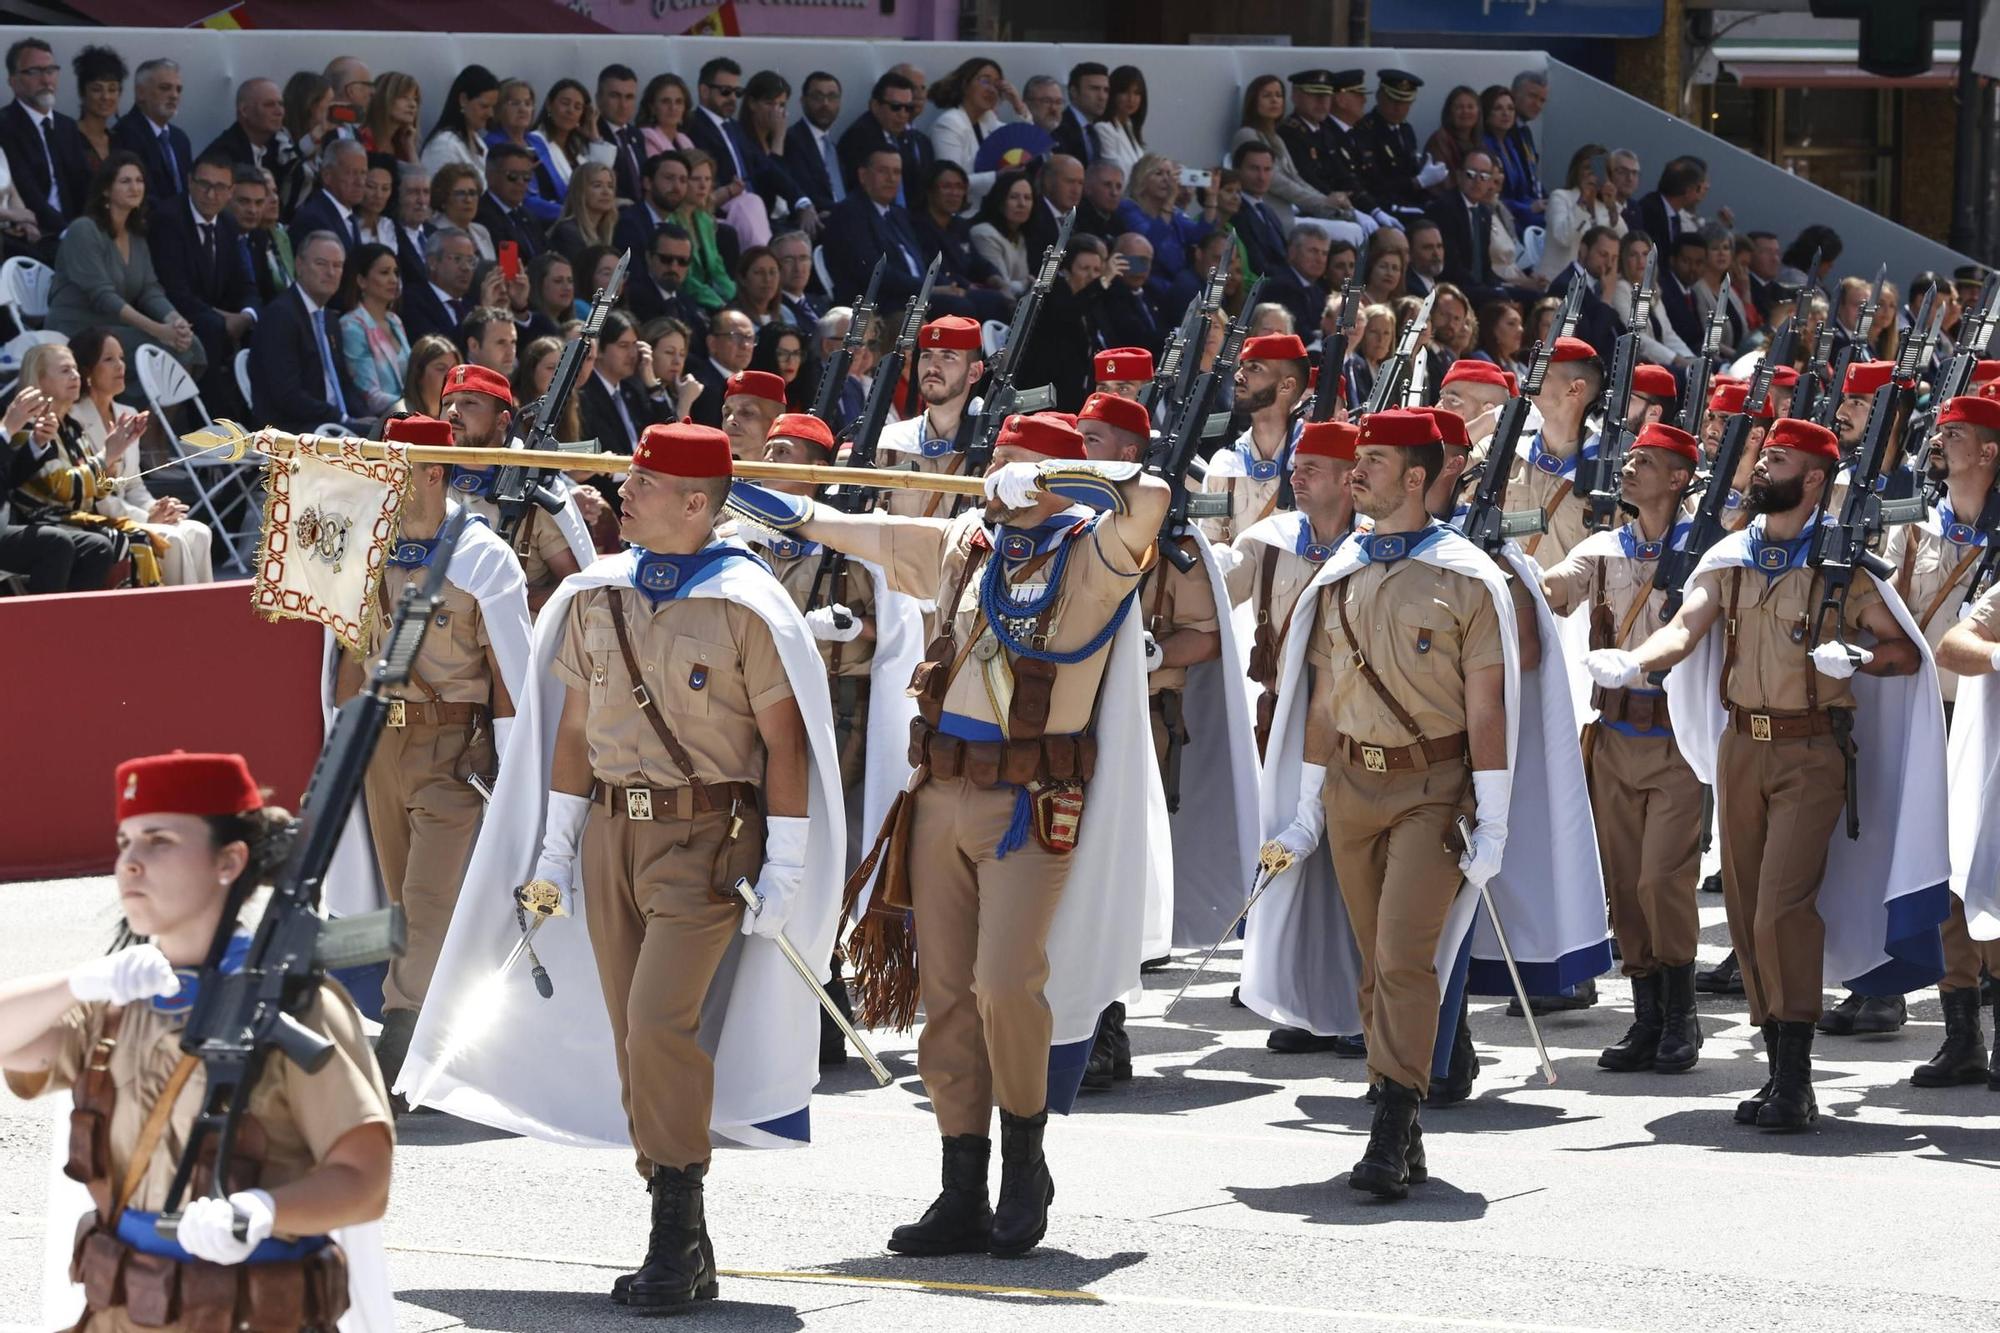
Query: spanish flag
{"points": [[236, 18], [721, 23]]}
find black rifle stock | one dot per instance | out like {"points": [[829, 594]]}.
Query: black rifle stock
{"points": [[1694, 401], [1333, 355], [1485, 520], [833, 376], [1599, 479], [1181, 357], [1395, 376], [1975, 336], [1183, 437]]}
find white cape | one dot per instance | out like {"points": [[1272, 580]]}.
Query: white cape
{"points": [[489, 1049], [1973, 772], [1877, 898]]}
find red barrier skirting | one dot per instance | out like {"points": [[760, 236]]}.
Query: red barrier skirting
{"points": [[95, 678]]}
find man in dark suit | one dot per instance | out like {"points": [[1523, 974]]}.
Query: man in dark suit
{"points": [[1089, 92], [612, 404], [46, 154], [510, 170], [1596, 261], [443, 299], [740, 164], [1060, 182], [343, 176], [1299, 282], [1125, 313], [654, 288], [666, 186], [148, 130], [730, 343], [617, 104], [810, 153], [1425, 268], [252, 140], [802, 307], [1677, 277], [198, 253], [892, 110], [1683, 183], [1103, 191], [298, 378], [1260, 224], [869, 226], [413, 219], [1464, 218]]}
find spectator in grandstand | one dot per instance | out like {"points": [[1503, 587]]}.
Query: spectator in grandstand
{"points": [[513, 121], [198, 253], [1103, 195], [1042, 95], [1670, 209], [1715, 284], [617, 125], [666, 185], [1067, 331], [1583, 202], [1686, 261], [670, 340], [615, 407], [709, 282], [459, 136], [255, 138], [104, 270], [431, 358], [757, 286], [1386, 265], [1464, 219], [442, 301], [297, 379], [1126, 316], [663, 113], [658, 287], [1150, 209], [490, 339], [412, 208], [372, 338], [373, 215], [270, 250], [100, 84], [968, 99], [893, 104], [784, 351], [795, 276], [36, 137], [1531, 94], [148, 131], [532, 374], [552, 287], [740, 168], [353, 89], [455, 191], [809, 152], [1502, 336], [1089, 92], [1120, 136], [1456, 135], [1761, 272], [870, 225], [394, 123], [1373, 341], [568, 125], [1816, 239], [307, 98], [1001, 234], [1262, 224], [730, 343], [1520, 182], [503, 208], [343, 175], [1658, 342]]}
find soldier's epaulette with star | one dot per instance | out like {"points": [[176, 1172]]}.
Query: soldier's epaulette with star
{"points": [[1092, 484], [773, 509]]}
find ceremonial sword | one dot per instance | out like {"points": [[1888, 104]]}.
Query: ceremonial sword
{"points": [[1269, 867], [1507, 956], [524, 945], [753, 901]]}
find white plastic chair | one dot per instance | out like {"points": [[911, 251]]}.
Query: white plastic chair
{"points": [[24, 288], [242, 367], [222, 488], [993, 337], [826, 278], [16, 351]]}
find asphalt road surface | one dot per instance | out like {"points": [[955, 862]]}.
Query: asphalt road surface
{"points": [[1210, 1193]]}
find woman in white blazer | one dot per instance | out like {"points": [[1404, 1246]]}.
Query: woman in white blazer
{"points": [[968, 99], [1121, 135]]}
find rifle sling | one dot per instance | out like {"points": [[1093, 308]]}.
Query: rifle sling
{"points": [[1943, 594], [1548, 512], [149, 1136]]}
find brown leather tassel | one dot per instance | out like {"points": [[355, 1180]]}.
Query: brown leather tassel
{"points": [[883, 951]]}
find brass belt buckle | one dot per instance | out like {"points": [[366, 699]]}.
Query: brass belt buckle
{"points": [[1760, 726], [1374, 759], [639, 804], [397, 714]]}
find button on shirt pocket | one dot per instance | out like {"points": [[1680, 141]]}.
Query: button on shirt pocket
{"points": [[1422, 626], [692, 668], [607, 673]]}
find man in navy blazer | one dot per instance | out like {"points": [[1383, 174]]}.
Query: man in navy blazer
{"points": [[510, 169], [811, 153], [739, 162], [617, 101], [1596, 260], [871, 225], [1089, 93], [298, 378], [893, 107], [1262, 225], [149, 132], [199, 255], [36, 137], [343, 178]]}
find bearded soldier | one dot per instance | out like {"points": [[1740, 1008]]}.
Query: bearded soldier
{"points": [[1270, 380], [948, 365]]}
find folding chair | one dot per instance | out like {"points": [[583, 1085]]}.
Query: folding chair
{"points": [[24, 290], [242, 365], [222, 488], [16, 351], [825, 278], [993, 337]]}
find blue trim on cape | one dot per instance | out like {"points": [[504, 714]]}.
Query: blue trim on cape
{"points": [[796, 1126], [1913, 943], [1066, 1064], [1448, 1002], [1488, 976]]}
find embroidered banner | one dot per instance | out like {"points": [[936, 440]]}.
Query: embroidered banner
{"points": [[329, 520]]}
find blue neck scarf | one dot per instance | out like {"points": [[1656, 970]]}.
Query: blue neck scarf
{"points": [[1775, 559], [666, 578], [473, 482], [233, 955], [416, 552], [1269, 469], [1544, 461], [1955, 532], [1019, 544], [1637, 547], [1385, 548], [1314, 552]]}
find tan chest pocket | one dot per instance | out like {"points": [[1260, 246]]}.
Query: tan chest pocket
{"points": [[1793, 616], [607, 671], [1421, 629], [695, 669]]}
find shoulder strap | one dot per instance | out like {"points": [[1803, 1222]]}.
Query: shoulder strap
{"points": [[675, 749], [1268, 574], [1548, 512], [1729, 635], [1401, 713], [149, 1137], [1943, 594], [1908, 567]]}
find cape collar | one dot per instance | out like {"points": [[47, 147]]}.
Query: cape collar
{"points": [[1543, 461], [1382, 548], [1636, 547], [183, 1000], [666, 578], [416, 553]]}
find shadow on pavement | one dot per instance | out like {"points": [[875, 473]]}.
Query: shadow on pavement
{"points": [[437, 1130], [1332, 1203], [1045, 1274], [541, 1311]]}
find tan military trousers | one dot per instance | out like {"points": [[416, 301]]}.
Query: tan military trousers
{"points": [[1778, 803], [1648, 807], [424, 817], [659, 929], [982, 927], [1963, 955], [1398, 875]]}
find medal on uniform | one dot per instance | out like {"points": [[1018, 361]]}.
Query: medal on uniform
{"points": [[1017, 546], [786, 549], [1549, 463], [659, 576], [1773, 559], [412, 554], [1648, 550], [1962, 534], [986, 647]]}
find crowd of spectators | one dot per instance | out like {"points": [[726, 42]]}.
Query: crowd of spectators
{"points": [[332, 253]]}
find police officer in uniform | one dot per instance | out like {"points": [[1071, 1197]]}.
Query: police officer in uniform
{"points": [[949, 363], [1354, 162], [1402, 177], [1544, 475], [1271, 378], [1645, 798], [1305, 132]]}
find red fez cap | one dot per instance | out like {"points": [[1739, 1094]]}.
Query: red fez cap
{"points": [[1654, 381], [756, 383], [1451, 426], [1274, 347], [1572, 349], [1067, 418], [803, 426], [468, 378], [186, 784], [1729, 397], [1673, 439], [1123, 363], [1124, 413], [683, 449], [1865, 377], [1985, 372], [418, 430], [953, 331], [1981, 411], [1399, 428], [1805, 436], [1784, 377], [1043, 435], [1467, 370], [1328, 439]]}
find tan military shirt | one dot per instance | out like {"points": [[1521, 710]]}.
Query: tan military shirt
{"points": [[1575, 582], [1563, 511], [1172, 601], [538, 540], [709, 665], [1985, 612], [1774, 619], [855, 591], [1423, 629], [453, 659], [1932, 574], [921, 504], [303, 1115], [1250, 501], [1290, 573]]}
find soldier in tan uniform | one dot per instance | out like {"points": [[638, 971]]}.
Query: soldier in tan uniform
{"points": [[1726, 400], [1474, 392], [670, 795], [1004, 747], [1544, 475], [949, 363], [1782, 764], [1271, 378], [443, 730], [1122, 371], [1655, 396], [1646, 800], [195, 840], [751, 401], [478, 410]]}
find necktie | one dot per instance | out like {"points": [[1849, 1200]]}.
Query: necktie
{"points": [[826, 155], [454, 305], [896, 233], [730, 141], [332, 375], [354, 227], [207, 230], [48, 154], [167, 156], [523, 233], [625, 416]]}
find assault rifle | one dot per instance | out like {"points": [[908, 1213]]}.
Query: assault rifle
{"points": [[1855, 347], [1180, 360], [1599, 479], [1485, 522], [1694, 401], [1814, 388], [1395, 374], [1184, 435], [833, 377], [516, 488], [1975, 336], [241, 1017], [1333, 354]]}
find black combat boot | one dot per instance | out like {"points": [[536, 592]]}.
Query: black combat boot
{"points": [[1456, 1085], [1111, 1051], [1384, 1169], [679, 1268], [1026, 1191], [1635, 1050], [1962, 1057], [959, 1220], [832, 1041], [1839, 1020], [1747, 1109], [1880, 1014], [1580, 996], [1419, 1169], [1791, 1107], [1298, 1041], [1725, 978], [1680, 1024]]}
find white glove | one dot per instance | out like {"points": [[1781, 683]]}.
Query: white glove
{"points": [[1389, 220], [1996, 657], [1298, 838], [1433, 172], [208, 1227], [783, 875], [1156, 656], [1613, 668], [825, 623], [138, 973], [1015, 485], [1837, 661], [503, 727], [1491, 788], [562, 832]]}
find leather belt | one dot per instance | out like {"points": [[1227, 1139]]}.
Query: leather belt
{"points": [[1634, 708], [1400, 758], [647, 804], [1768, 726], [416, 713], [1058, 758]]}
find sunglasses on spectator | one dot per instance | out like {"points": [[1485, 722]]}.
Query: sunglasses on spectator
{"points": [[39, 71], [520, 177], [1472, 175], [465, 194], [671, 261], [735, 337], [899, 108], [724, 89]]}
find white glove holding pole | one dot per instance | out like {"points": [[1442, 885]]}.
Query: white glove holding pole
{"points": [[783, 876], [833, 624], [1613, 668], [141, 972], [1433, 171], [208, 1226], [1837, 661], [1015, 485], [1492, 788], [1298, 838], [1156, 656], [562, 834]]}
